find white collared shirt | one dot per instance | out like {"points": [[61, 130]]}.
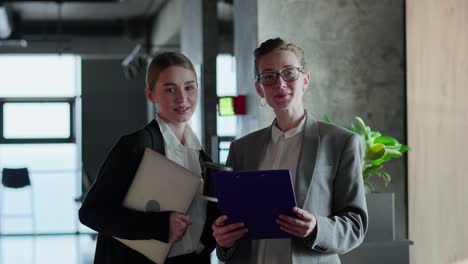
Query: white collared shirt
{"points": [[282, 153], [283, 150], [187, 156]]}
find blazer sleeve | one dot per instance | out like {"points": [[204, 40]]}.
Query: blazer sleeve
{"points": [[346, 227], [102, 208]]}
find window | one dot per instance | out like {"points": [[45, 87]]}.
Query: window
{"points": [[39, 76], [225, 86], [54, 169], [37, 121], [38, 98]]}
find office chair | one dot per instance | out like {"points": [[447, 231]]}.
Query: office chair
{"points": [[17, 179]]}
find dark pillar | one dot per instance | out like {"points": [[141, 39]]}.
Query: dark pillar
{"points": [[208, 74], [199, 41]]}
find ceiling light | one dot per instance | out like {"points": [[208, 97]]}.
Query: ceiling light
{"points": [[6, 27]]}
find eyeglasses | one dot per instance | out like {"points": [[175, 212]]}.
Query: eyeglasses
{"points": [[288, 75]]}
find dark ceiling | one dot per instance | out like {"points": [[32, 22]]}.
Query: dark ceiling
{"points": [[99, 18], [91, 27]]}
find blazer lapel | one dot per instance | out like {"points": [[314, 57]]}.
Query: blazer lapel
{"points": [[156, 137], [307, 160]]}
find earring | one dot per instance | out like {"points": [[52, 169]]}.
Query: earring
{"points": [[262, 102]]}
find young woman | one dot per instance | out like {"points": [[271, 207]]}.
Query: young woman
{"points": [[325, 164], [172, 86]]}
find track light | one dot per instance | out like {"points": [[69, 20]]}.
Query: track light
{"points": [[134, 63], [6, 27]]}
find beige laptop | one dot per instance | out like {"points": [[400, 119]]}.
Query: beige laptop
{"points": [[159, 185]]}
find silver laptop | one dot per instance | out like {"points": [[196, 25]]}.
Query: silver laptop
{"points": [[159, 185]]}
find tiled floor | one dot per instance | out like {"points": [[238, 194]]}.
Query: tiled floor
{"points": [[72, 249]]}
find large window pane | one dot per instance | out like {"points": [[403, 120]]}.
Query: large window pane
{"points": [[223, 156], [226, 75], [226, 125], [226, 86], [36, 120], [55, 208], [37, 98], [54, 171], [40, 157], [39, 75], [55, 204]]}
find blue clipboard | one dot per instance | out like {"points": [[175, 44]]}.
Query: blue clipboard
{"points": [[256, 198]]}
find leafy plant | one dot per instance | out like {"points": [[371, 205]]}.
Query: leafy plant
{"points": [[378, 150]]}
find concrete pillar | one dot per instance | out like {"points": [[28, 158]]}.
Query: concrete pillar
{"points": [[199, 41]]}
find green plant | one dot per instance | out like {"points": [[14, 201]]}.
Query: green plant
{"points": [[378, 150]]}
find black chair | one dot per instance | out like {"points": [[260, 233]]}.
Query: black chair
{"points": [[17, 179]]}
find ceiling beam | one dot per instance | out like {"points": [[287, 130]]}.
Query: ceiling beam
{"points": [[63, 1], [112, 47], [130, 28]]}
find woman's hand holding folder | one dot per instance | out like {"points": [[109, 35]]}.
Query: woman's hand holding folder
{"points": [[302, 226], [178, 225], [226, 236]]}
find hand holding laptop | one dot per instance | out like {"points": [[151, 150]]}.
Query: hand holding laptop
{"points": [[178, 225], [171, 189]]}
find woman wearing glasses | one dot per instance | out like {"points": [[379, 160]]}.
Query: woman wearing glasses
{"points": [[325, 165]]}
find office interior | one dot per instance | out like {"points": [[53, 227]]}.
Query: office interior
{"points": [[72, 82]]}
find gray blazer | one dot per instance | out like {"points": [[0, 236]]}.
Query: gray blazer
{"points": [[328, 184]]}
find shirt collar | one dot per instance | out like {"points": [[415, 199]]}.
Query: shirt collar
{"points": [[276, 133], [191, 140]]}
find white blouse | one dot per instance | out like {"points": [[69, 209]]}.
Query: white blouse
{"points": [[282, 153], [187, 156]]}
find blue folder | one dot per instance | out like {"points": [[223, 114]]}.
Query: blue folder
{"points": [[256, 198]]}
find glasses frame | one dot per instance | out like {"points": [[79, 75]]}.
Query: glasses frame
{"points": [[276, 74]]}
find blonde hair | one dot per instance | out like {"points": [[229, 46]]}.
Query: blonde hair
{"points": [[163, 61], [272, 45]]}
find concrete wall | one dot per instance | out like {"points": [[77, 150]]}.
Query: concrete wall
{"points": [[355, 52], [111, 107]]}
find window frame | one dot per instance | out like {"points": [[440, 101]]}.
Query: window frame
{"points": [[71, 101]]}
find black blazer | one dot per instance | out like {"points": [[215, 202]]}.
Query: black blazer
{"points": [[102, 208]]}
